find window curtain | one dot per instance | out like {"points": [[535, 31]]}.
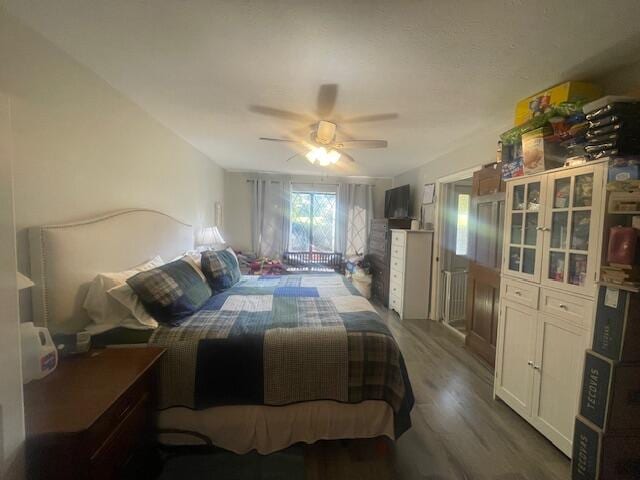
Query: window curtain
{"points": [[271, 198], [354, 214]]}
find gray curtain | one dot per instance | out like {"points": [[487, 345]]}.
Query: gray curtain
{"points": [[271, 198], [354, 214]]}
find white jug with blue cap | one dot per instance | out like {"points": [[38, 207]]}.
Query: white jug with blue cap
{"points": [[39, 354]]}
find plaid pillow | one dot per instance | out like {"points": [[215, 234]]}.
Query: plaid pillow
{"points": [[172, 291], [221, 269]]}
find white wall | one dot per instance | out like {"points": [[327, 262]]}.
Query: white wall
{"points": [[237, 202], [82, 148], [11, 411]]}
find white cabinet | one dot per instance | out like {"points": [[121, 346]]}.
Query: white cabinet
{"points": [[553, 238], [572, 231], [410, 272], [515, 355], [522, 255], [557, 370]]}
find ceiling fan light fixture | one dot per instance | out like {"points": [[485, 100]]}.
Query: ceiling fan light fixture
{"points": [[333, 156], [316, 154], [322, 156]]}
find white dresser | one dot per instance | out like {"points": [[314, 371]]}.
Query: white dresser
{"points": [[410, 272], [551, 256]]}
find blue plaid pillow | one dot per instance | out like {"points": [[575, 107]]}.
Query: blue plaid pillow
{"points": [[221, 269], [172, 291]]}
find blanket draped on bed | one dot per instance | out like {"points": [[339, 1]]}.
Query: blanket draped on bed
{"points": [[281, 340]]}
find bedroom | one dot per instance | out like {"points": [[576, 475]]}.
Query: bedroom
{"points": [[160, 106]]}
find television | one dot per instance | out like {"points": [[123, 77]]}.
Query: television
{"points": [[396, 202]]}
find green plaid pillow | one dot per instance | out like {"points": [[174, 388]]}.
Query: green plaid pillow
{"points": [[172, 291], [221, 269]]}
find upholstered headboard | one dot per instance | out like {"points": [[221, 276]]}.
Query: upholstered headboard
{"points": [[65, 258]]}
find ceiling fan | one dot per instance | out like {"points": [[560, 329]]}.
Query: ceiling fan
{"points": [[319, 136]]}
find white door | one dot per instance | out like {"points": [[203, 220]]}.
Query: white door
{"points": [[574, 202], [515, 356], [558, 367], [11, 410], [523, 234]]}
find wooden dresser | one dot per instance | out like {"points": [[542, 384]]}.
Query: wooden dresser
{"points": [[86, 419], [379, 255], [410, 274]]}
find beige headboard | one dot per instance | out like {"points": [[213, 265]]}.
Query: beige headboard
{"points": [[65, 258]]}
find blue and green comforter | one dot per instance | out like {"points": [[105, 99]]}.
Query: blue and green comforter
{"points": [[281, 340]]}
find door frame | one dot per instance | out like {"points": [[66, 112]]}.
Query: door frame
{"points": [[12, 430], [438, 244]]}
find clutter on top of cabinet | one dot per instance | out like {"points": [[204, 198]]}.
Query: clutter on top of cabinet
{"points": [[543, 102], [614, 128]]}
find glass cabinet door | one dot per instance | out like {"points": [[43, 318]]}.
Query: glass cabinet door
{"points": [[522, 230], [573, 201]]}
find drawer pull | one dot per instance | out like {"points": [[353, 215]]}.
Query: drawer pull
{"points": [[518, 293], [563, 306]]}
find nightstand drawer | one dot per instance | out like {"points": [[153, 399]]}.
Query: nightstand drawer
{"points": [[110, 420], [116, 451]]}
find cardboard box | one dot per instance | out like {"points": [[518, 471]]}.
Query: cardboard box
{"points": [[598, 456], [617, 328], [540, 155], [537, 104], [610, 397]]}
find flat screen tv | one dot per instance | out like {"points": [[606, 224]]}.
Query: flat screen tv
{"points": [[396, 202]]}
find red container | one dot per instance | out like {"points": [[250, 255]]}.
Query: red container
{"points": [[622, 246]]}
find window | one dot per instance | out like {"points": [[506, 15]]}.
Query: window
{"points": [[462, 224], [313, 222]]}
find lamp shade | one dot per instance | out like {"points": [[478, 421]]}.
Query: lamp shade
{"points": [[23, 281], [208, 236]]}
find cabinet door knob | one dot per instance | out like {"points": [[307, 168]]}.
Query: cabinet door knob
{"points": [[563, 306], [536, 367], [518, 293], [530, 363]]}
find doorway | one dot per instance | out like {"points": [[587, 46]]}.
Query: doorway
{"points": [[454, 264]]}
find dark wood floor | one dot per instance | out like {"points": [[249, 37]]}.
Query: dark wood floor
{"points": [[459, 431]]}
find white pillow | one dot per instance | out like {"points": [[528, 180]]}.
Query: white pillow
{"points": [[129, 299], [194, 255], [104, 309]]}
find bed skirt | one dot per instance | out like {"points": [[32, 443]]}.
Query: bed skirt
{"points": [[267, 429]]}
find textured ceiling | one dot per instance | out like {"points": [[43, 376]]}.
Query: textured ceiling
{"points": [[448, 68]]}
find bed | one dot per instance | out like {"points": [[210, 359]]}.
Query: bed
{"points": [[268, 363]]}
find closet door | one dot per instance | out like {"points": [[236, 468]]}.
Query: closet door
{"points": [[557, 369], [516, 355], [523, 234], [573, 210]]}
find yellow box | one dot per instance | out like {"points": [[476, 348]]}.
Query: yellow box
{"points": [[565, 92]]}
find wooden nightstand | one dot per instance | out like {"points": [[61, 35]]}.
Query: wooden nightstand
{"points": [[87, 419]]}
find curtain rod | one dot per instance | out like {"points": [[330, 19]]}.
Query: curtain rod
{"points": [[314, 183]]}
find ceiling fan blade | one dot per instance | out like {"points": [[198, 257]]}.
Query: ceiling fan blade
{"points": [[326, 99], [362, 144], [279, 140], [347, 156], [284, 114], [371, 118]]}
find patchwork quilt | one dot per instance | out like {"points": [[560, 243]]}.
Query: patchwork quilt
{"points": [[281, 340]]}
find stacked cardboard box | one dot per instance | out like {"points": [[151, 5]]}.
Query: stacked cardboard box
{"points": [[606, 442]]}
